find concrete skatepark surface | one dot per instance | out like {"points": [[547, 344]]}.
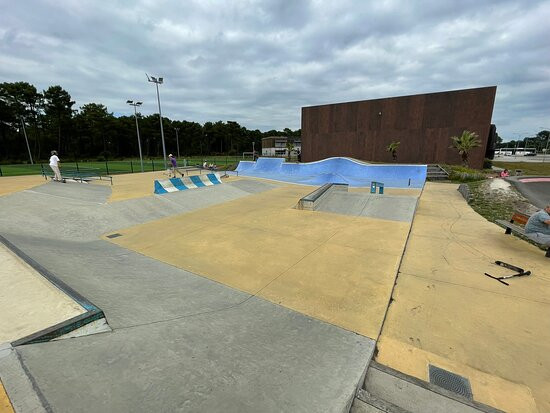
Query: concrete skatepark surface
{"points": [[179, 341], [335, 170], [312, 262], [189, 341], [535, 188]]}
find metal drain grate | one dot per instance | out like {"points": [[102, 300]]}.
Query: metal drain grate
{"points": [[450, 381], [114, 235]]}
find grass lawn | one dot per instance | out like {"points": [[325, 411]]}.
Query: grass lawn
{"points": [[528, 168], [117, 166]]}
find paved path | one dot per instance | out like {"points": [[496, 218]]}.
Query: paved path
{"points": [[446, 312], [180, 342]]}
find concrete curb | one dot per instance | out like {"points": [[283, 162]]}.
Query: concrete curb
{"points": [[434, 389], [93, 313]]}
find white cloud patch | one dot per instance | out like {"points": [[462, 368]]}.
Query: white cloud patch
{"points": [[259, 61]]}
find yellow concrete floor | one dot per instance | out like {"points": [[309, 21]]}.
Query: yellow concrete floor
{"points": [[139, 185], [448, 313], [5, 404], [336, 268], [11, 184], [28, 302]]}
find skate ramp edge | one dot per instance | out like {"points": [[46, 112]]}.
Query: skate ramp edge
{"points": [[188, 182], [91, 321]]}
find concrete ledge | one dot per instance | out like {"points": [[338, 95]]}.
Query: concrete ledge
{"points": [[92, 314], [312, 199]]}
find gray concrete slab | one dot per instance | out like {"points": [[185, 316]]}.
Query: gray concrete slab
{"points": [[75, 190], [256, 357], [395, 208], [391, 207]]}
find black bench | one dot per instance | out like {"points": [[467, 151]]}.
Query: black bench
{"points": [[81, 174], [512, 227]]}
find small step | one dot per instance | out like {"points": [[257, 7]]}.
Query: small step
{"points": [[414, 395], [366, 403]]}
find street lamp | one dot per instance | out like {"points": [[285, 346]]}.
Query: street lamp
{"points": [[547, 141], [177, 141], [26, 140], [157, 82], [135, 105]]}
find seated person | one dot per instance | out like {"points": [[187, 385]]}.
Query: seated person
{"points": [[204, 165], [505, 173], [538, 226]]}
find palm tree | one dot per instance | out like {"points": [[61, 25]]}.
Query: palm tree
{"points": [[392, 147], [289, 148], [464, 144]]}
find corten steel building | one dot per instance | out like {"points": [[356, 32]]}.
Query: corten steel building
{"points": [[422, 123]]}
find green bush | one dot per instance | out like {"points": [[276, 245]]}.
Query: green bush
{"points": [[458, 173], [487, 163]]}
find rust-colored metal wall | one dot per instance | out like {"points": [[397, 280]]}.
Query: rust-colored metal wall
{"points": [[422, 123]]}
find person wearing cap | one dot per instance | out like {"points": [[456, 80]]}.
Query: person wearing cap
{"points": [[54, 164], [173, 164], [538, 226]]}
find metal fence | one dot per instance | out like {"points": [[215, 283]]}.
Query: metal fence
{"points": [[116, 167]]}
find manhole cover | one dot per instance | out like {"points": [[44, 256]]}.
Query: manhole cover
{"points": [[450, 381], [114, 235]]}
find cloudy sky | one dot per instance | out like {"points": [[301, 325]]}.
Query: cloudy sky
{"points": [[259, 61]]}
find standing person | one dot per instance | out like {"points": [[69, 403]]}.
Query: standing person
{"points": [[54, 164], [173, 164], [538, 226]]}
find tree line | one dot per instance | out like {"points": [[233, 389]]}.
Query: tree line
{"points": [[50, 121], [539, 142]]}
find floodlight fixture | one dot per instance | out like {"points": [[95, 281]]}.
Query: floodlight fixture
{"points": [[130, 101], [158, 82]]}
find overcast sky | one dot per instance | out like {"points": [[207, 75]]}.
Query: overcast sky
{"points": [[258, 62]]}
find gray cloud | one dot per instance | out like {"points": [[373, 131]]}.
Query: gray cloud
{"points": [[258, 62]]}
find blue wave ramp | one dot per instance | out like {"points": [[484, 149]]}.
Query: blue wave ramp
{"points": [[336, 171]]}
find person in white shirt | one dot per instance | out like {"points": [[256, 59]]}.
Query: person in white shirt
{"points": [[54, 164]]}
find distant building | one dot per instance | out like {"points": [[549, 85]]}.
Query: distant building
{"points": [[275, 146], [423, 124]]}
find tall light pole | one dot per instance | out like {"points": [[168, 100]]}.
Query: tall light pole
{"points": [[547, 141], [135, 105], [26, 140], [157, 82], [177, 141]]}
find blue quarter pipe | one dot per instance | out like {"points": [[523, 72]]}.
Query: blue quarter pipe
{"points": [[335, 170]]}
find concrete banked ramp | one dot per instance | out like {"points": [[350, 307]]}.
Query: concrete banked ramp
{"points": [[534, 188], [189, 182], [335, 170]]}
